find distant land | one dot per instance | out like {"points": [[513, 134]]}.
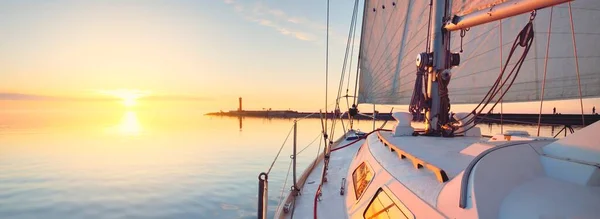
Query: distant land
{"points": [[548, 119]]}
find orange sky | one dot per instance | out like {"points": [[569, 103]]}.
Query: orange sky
{"points": [[205, 54]]}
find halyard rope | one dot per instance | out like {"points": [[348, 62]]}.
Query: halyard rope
{"points": [[545, 71], [576, 63]]}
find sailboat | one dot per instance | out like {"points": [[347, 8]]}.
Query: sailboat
{"points": [[468, 52]]}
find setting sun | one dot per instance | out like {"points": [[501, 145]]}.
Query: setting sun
{"points": [[129, 101], [128, 97]]}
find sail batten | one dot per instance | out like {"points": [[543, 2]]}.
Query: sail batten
{"points": [[387, 73]]}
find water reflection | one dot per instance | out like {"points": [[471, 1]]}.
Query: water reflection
{"points": [[129, 124]]}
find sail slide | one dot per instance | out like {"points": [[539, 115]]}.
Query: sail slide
{"points": [[482, 57]]}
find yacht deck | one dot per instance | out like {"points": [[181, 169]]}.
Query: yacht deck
{"points": [[332, 203]]}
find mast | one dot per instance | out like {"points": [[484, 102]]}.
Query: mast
{"points": [[435, 64]]}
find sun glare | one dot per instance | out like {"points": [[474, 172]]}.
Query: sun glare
{"points": [[129, 124], [129, 101], [128, 97]]}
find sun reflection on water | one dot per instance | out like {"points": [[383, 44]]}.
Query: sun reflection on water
{"points": [[130, 124]]}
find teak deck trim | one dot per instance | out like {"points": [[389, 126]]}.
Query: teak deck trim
{"points": [[440, 174]]}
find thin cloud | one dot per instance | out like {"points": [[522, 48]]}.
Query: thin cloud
{"points": [[238, 8], [277, 19], [36, 97], [176, 98]]}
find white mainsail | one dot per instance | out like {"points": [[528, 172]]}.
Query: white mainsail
{"points": [[481, 60], [393, 33]]}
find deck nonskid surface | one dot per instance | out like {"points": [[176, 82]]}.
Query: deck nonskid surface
{"points": [[332, 204]]}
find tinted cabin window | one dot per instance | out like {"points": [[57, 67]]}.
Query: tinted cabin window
{"points": [[361, 177], [382, 206]]}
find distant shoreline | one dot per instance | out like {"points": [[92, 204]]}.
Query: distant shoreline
{"points": [[510, 118]]}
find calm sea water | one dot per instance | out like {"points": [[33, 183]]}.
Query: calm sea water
{"points": [[61, 164]]}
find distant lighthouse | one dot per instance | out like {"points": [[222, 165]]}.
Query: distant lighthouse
{"points": [[240, 107]]}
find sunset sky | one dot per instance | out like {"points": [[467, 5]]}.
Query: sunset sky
{"points": [[207, 51], [271, 53]]}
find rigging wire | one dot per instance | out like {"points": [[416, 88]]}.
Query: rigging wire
{"points": [[342, 75], [351, 57], [358, 61], [501, 100], [309, 144], [279, 152], [350, 117], [283, 187], [545, 72], [326, 66], [576, 63]]}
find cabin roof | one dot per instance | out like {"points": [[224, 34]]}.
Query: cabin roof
{"points": [[441, 152]]}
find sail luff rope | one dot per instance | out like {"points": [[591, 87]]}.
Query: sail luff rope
{"points": [[576, 63], [545, 72]]}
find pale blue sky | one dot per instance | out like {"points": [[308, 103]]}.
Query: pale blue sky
{"points": [[270, 52]]}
